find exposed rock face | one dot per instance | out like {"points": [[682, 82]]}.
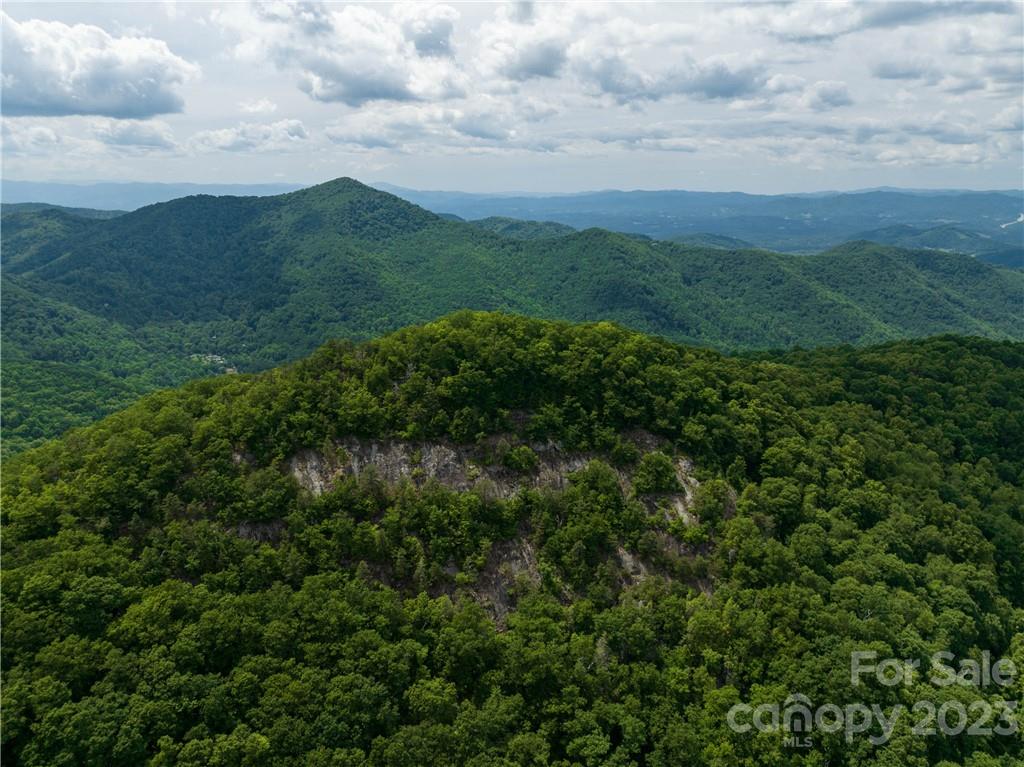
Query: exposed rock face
{"points": [[511, 563], [508, 562], [459, 468]]}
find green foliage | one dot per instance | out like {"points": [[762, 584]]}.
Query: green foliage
{"points": [[202, 284], [520, 458], [655, 474], [172, 597], [522, 230]]}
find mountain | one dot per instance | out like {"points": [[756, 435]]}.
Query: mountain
{"points": [[522, 230], [65, 367], [115, 195], [492, 540], [709, 240], [212, 283], [791, 223], [998, 250], [34, 207]]}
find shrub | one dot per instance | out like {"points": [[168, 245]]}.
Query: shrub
{"points": [[655, 474]]}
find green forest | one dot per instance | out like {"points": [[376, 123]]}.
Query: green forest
{"points": [[99, 310], [177, 591]]}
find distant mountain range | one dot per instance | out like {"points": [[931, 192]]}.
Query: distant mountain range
{"points": [[117, 195], [98, 310], [952, 239], [798, 223]]}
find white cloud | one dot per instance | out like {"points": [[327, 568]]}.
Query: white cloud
{"points": [[602, 90], [817, 22], [55, 69], [21, 138], [723, 77], [428, 27], [716, 78], [826, 94], [252, 137], [523, 41], [258, 106], [353, 54], [905, 68], [136, 134], [1010, 119], [403, 127]]}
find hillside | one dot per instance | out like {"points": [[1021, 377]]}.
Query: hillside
{"points": [[64, 367], [708, 240], [249, 282], [1000, 249], [503, 541], [522, 230]]}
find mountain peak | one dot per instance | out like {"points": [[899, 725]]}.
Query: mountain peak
{"points": [[340, 184]]}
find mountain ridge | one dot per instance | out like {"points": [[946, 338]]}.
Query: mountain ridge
{"points": [[256, 281]]}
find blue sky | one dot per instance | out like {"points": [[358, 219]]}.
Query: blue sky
{"points": [[760, 97]]}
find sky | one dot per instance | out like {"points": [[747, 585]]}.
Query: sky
{"points": [[536, 97]]}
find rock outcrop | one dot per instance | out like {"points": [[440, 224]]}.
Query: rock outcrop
{"points": [[461, 468]]}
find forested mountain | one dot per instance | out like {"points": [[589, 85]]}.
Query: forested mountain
{"points": [[708, 240], [33, 207], [205, 283], [792, 223], [1001, 249], [522, 230], [500, 541]]}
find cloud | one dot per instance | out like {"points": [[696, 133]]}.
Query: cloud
{"points": [[1010, 119], [995, 75], [657, 138], [428, 27], [906, 69], [609, 73], [258, 106], [403, 127], [252, 137], [717, 78], [723, 78], [487, 123], [811, 22], [419, 85], [53, 69], [136, 134], [528, 42], [519, 52], [352, 55], [784, 84], [826, 94], [21, 138]]}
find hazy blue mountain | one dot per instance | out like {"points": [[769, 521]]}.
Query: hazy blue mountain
{"points": [[114, 195], [793, 223], [1000, 249]]}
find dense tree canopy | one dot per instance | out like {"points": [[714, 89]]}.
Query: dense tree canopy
{"points": [[172, 595]]}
